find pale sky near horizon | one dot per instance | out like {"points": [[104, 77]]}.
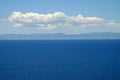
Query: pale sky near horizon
{"points": [[59, 16]]}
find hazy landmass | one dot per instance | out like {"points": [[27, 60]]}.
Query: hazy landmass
{"points": [[99, 35]]}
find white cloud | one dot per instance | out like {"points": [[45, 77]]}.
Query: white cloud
{"points": [[56, 20]]}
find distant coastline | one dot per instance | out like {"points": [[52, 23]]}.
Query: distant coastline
{"points": [[60, 36]]}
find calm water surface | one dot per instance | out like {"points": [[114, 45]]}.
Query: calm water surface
{"points": [[60, 60]]}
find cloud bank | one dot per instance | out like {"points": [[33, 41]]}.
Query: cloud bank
{"points": [[57, 20]]}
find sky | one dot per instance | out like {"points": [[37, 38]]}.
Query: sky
{"points": [[59, 16]]}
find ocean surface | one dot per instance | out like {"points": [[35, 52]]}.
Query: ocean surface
{"points": [[60, 60]]}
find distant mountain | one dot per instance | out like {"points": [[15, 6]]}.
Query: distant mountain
{"points": [[103, 35]]}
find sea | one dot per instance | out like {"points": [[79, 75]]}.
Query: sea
{"points": [[59, 59]]}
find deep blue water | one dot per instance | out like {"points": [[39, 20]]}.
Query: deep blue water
{"points": [[60, 60]]}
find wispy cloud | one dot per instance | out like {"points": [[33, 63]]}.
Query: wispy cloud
{"points": [[57, 19]]}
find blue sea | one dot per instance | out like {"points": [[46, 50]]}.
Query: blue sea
{"points": [[60, 60]]}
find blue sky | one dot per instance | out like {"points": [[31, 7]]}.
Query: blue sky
{"points": [[73, 16]]}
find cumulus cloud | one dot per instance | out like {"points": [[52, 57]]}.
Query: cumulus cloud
{"points": [[56, 20]]}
